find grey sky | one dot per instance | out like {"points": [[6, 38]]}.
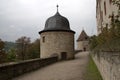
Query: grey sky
{"points": [[27, 17]]}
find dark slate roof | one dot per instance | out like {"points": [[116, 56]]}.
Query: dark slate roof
{"points": [[83, 36], [57, 23]]}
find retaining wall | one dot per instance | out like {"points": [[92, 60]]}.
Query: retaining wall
{"points": [[108, 63], [8, 71]]}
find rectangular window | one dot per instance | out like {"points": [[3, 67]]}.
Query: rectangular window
{"points": [[101, 16], [110, 1], [105, 7], [43, 39]]}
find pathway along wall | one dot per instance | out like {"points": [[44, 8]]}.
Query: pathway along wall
{"points": [[11, 70], [108, 63]]}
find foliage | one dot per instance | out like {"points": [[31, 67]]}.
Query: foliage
{"points": [[1, 45], [92, 72], [34, 50], [11, 55], [93, 42], [21, 50], [116, 2], [9, 45], [118, 29], [108, 35], [2, 52], [22, 46], [26, 49]]}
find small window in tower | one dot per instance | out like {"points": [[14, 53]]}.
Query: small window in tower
{"points": [[43, 39], [105, 7], [86, 38]]}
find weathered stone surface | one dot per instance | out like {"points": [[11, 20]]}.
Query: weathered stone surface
{"points": [[83, 44], [108, 64], [56, 43], [8, 71]]}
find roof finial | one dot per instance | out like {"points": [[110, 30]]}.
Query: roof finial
{"points": [[57, 7]]}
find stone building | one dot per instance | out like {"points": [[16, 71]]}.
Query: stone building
{"points": [[104, 11], [57, 39], [83, 42]]}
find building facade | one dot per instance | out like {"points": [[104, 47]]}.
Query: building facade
{"points": [[104, 11], [83, 42], [57, 39]]}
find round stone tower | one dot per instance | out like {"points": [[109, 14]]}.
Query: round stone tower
{"points": [[57, 39]]}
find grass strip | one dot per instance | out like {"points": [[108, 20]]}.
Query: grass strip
{"points": [[92, 72]]}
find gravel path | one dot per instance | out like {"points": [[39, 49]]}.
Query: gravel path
{"points": [[65, 70]]}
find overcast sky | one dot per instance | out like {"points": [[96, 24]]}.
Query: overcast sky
{"points": [[27, 17]]}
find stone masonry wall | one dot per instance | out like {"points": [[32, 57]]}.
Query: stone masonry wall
{"points": [[55, 43], [79, 45], [11, 70], [82, 44], [108, 63]]}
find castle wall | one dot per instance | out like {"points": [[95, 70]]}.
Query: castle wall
{"points": [[56, 42], [108, 64], [8, 71], [105, 9]]}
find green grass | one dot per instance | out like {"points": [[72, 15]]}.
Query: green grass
{"points": [[92, 72]]}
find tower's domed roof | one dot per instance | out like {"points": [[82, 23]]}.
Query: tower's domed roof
{"points": [[57, 23]]}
